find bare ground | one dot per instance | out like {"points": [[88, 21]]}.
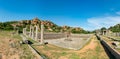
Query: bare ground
{"points": [[5, 50], [15, 51]]}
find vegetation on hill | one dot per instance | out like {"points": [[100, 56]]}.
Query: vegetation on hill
{"points": [[7, 25], [115, 28], [49, 26]]}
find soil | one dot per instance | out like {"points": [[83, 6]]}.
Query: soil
{"points": [[90, 46], [6, 51]]}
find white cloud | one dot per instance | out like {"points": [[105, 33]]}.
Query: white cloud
{"points": [[98, 22]]}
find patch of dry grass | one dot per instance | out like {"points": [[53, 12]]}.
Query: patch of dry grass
{"points": [[18, 52]]}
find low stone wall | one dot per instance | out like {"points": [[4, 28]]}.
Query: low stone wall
{"points": [[62, 35], [53, 35], [113, 51], [113, 38], [80, 35], [50, 35]]}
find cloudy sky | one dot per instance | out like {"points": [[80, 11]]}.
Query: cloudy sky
{"points": [[88, 14]]}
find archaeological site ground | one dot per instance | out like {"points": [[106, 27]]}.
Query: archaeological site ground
{"points": [[59, 29], [34, 39]]}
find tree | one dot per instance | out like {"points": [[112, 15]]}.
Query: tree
{"points": [[103, 28], [115, 28]]}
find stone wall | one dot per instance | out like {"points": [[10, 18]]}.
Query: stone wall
{"points": [[113, 51], [52, 35], [80, 35], [60, 35]]}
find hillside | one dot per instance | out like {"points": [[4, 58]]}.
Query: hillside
{"points": [[49, 26], [115, 28]]}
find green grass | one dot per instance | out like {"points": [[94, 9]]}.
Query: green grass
{"points": [[97, 49], [59, 54], [5, 33], [74, 56], [63, 53], [31, 40], [27, 54], [55, 54], [17, 37]]}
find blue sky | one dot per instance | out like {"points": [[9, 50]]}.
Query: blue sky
{"points": [[87, 14]]}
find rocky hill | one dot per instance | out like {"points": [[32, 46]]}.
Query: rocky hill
{"points": [[49, 26]]}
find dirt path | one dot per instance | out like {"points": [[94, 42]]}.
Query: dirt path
{"points": [[91, 45]]}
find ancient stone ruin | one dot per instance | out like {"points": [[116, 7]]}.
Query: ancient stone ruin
{"points": [[65, 40], [33, 32]]}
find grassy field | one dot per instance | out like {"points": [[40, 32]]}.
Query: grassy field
{"points": [[16, 52], [93, 50]]}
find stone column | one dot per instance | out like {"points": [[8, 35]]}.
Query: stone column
{"points": [[32, 32], [114, 34], [119, 34], [104, 33], [17, 31], [25, 31], [36, 34], [42, 32]]}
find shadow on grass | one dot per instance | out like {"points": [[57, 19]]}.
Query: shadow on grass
{"points": [[29, 42]]}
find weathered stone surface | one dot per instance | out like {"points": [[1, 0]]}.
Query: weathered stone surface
{"points": [[32, 32], [74, 43], [36, 34], [42, 32]]}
